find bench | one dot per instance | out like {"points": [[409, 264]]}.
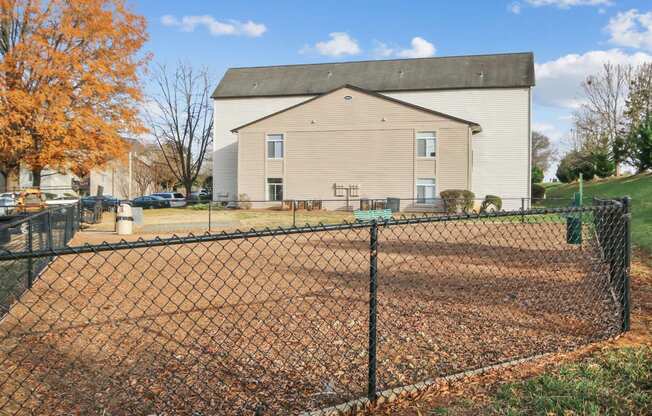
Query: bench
{"points": [[374, 214]]}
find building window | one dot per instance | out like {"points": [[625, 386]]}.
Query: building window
{"points": [[426, 191], [426, 144], [275, 189], [275, 146]]}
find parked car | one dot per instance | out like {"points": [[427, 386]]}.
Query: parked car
{"points": [[30, 200], [175, 198], [199, 197], [62, 200], [7, 205], [150, 201], [108, 202]]}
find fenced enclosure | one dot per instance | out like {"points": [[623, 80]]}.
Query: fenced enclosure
{"points": [[299, 319], [32, 232]]}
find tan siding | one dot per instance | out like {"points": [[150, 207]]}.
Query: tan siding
{"points": [[251, 165], [362, 112], [274, 168], [425, 168], [379, 161], [452, 159], [350, 144], [229, 114]]}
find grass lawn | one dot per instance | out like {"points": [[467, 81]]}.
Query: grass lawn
{"points": [[638, 187], [196, 220], [615, 382]]}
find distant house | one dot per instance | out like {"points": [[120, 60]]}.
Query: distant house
{"points": [[111, 179], [398, 128]]}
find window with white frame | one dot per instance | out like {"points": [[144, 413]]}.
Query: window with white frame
{"points": [[275, 146], [426, 144], [275, 189], [426, 191]]}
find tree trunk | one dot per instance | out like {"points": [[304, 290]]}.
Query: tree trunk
{"points": [[617, 170], [188, 186], [36, 177]]}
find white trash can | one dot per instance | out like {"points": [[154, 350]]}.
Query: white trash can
{"points": [[124, 219]]}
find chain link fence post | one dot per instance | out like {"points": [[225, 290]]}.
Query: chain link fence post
{"points": [[30, 261], [49, 231], [294, 213], [373, 292], [627, 253]]}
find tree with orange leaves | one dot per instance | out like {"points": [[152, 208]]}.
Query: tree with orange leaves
{"points": [[69, 87]]}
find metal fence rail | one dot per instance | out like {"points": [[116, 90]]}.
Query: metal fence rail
{"points": [[282, 321]]}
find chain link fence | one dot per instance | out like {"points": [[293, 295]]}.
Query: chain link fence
{"points": [[32, 232], [287, 321]]}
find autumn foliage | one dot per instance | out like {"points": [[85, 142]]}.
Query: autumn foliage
{"points": [[69, 87]]}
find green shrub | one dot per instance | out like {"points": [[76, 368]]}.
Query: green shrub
{"points": [[604, 166], [244, 201], [537, 174], [573, 164], [491, 203], [538, 192], [457, 200]]}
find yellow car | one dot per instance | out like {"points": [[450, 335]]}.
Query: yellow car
{"points": [[31, 200]]}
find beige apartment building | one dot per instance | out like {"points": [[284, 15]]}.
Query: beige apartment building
{"points": [[404, 128], [351, 137]]}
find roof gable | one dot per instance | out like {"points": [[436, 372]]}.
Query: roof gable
{"points": [[374, 96], [480, 71]]}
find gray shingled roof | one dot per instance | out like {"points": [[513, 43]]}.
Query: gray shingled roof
{"points": [[478, 71]]}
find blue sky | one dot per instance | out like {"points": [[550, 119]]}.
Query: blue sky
{"points": [[570, 38]]}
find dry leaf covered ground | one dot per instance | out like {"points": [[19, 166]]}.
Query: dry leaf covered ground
{"points": [[280, 323], [476, 395]]}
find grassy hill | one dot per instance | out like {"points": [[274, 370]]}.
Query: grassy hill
{"points": [[638, 187]]}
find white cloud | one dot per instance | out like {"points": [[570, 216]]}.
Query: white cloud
{"points": [[215, 27], [382, 50], [566, 4], [631, 29], [514, 7], [549, 130], [340, 44], [558, 81], [421, 48]]}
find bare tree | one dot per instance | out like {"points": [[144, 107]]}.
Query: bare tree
{"points": [[639, 101], [543, 153], [600, 117], [142, 175], [181, 120]]}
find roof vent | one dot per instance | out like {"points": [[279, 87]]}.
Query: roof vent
{"points": [[330, 74], [401, 73], [481, 74], [255, 85]]}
